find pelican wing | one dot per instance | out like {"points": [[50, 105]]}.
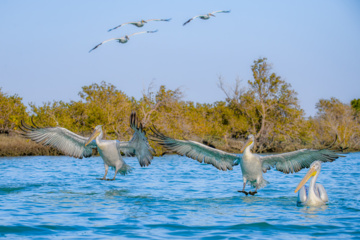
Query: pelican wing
{"points": [[302, 195], [166, 20], [111, 39], [191, 20], [322, 194], [295, 161], [142, 32], [60, 138], [121, 25], [221, 11], [138, 145], [197, 151]]}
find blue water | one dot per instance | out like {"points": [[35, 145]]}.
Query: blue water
{"points": [[175, 197]]}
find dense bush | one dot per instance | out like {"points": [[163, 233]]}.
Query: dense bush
{"points": [[266, 106]]}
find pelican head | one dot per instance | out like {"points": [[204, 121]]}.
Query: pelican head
{"points": [[249, 143], [97, 131], [315, 168], [143, 21], [127, 37], [210, 14]]}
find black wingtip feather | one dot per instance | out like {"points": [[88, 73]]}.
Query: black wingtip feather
{"points": [[26, 126], [133, 120], [32, 121]]}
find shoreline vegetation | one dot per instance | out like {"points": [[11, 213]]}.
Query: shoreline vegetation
{"points": [[265, 106], [16, 145]]}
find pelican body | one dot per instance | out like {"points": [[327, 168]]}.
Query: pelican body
{"points": [[251, 170], [124, 39], [252, 166], [110, 151], [205, 17], [140, 23], [315, 194]]}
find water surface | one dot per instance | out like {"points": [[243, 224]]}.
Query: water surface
{"points": [[175, 197]]}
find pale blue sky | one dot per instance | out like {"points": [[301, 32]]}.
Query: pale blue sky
{"points": [[313, 44]]}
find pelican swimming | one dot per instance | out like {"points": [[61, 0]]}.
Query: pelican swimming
{"points": [[140, 23], [252, 166], [206, 16], [77, 146], [124, 39], [316, 194]]}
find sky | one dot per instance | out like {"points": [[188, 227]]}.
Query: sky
{"points": [[313, 45]]}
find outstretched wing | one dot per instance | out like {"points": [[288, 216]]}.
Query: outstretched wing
{"points": [[166, 20], [221, 11], [60, 138], [190, 20], [200, 152], [121, 26], [138, 145], [142, 32], [295, 161], [111, 39]]}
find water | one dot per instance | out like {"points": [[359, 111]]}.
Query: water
{"points": [[176, 197]]}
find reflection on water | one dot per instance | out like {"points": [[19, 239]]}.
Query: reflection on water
{"points": [[313, 212], [175, 197], [115, 192]]}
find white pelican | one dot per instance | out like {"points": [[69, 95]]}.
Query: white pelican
{"points": [[316, 194], [139, 23], [77, 146], [206, 16], [252, 166], [124, 39]]}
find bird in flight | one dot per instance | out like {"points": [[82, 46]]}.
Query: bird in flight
{"points": [[252, 166], [139, 23], [124, 39], [110, 151], [206, 16]]}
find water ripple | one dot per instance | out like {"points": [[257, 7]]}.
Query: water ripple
{"points": [[178, 198]]}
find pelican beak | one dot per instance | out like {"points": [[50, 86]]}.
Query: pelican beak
{"points": [[212, 15], [94, 134], [248, 143], [310, 173]]}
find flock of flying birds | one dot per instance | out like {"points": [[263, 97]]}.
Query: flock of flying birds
{"points": [[141, 23], [252, 165]]}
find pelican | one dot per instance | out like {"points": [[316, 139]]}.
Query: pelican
{"points": [[124, 39], [77, 146], [140, 23], [252, 166], [316, 194], [206, 16]]}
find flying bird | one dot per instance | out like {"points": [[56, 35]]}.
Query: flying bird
{"points": [[124, 39], [316, 194], [140, 23], [206, 16], [110, 151], [252, 166]]}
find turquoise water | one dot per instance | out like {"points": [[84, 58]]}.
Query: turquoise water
{"points": [[176, 197]]}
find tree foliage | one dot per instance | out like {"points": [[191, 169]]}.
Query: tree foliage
{"points": [[355, 104], [336, 119], [270, 107], [12, 112], [266, 106]]}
